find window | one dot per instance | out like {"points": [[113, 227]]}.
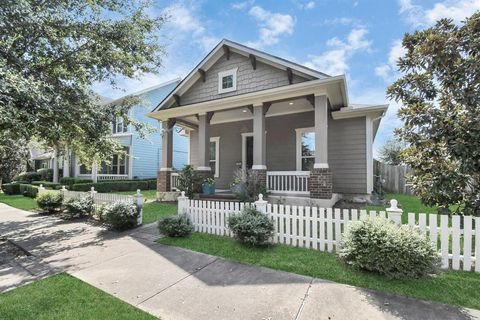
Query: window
{"points": [[118, 165], [118, 126], [214, 156], [227, 81], [305, 149]]}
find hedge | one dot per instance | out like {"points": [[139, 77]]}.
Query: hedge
{"points": [[11, 188], [68, 181], [47, 184], [45, 174], [28, 176], [112, 186], [28, 190]]}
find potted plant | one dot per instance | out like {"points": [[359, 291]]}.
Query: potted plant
{"points": [[208, 186]]}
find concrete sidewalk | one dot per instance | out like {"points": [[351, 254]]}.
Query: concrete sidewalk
{"points": [[174, 283]]}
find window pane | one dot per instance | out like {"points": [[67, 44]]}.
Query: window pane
{"points": [[227, 82], [114, 126], [83, 170], [213, 166], [213, 150], [308, 144], [307, 164]]}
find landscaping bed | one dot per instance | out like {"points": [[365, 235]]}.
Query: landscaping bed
{"points": [[64, 297], [451, 287]]}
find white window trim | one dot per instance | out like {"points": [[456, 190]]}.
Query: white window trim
{"points": [[222, 74], [299, 132], [217, 155], [244, 148], [369, 153]]}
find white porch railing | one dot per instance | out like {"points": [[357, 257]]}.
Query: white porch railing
{"points": [[288, 182], [105, 177], [174, 181]]}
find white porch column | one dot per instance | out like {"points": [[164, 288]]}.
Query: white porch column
{"points": [[259, 138], [55, 166], [321, 132], [167, 145], [204, 142], [66, 163], [94, 171]]}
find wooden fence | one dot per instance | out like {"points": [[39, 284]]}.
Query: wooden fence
{"points": [[322, 228], [392, 177]]}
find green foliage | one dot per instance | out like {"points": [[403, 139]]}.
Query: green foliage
{"points": [[47, 184], [112, 186], [28, 190], [396, 251], [49, 201], [45, 174], [53, 52], [175, 226], [11, 188], [80, 206], [440, 97], [247, 185], [28, 176], [391, 151], [13, 156], [189, 181], [251, 227], [120, 215], [69, 181]]}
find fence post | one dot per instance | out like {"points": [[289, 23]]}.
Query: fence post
{"points": [[92, 192], [62, 191], [182, 203], [261, 204], [140, 207], [41, 189], [394, 212]]}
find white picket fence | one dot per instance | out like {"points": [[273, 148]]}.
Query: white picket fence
{"points": [[100, 198], [322, 228]]}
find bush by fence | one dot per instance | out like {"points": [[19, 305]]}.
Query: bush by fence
{"points": [[112, 186]]}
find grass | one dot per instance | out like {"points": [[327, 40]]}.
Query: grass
{"points": [[19, 201], [149, 195], [153, 211], [64, 297], [452, 287]]}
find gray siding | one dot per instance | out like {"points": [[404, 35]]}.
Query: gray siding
{"points": [[347, 149], [248, 80]]}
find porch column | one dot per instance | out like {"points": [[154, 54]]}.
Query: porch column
{"points": [[66, 163], [204, 145], [259, 143], [55, 165], [321, 176], [94, 171], [163, 176]]}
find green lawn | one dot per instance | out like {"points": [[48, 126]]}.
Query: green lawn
{"points": [[64, 297], [153, 211], [452, 287], [19, 201]]}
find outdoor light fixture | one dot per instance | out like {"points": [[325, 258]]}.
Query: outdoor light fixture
{"points": [[290, 103]]}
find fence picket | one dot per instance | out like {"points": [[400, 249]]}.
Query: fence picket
{"points": [[315, 235], [411, 218], [322, 228], [308, 226], [445, 235], [477, 244], [467, 243], [337, 228], [422, 222], [329, 230], [287, 225], [455, 242], [432, 224]]}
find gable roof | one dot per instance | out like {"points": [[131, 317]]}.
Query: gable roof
{"points": [[217, 53]]}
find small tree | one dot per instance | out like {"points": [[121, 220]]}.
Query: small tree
{"points": [[391, 152], [13, 156], [189, 181], [440, 94]]}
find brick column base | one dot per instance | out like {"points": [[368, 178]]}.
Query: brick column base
{"points": [[321, 184], [262, 178], [163, 181]]}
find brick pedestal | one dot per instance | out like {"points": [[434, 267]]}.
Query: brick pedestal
{"points": [[321, 184], [163, 181]]}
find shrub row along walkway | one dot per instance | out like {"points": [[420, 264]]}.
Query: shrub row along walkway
{"points": [[175, 283]]}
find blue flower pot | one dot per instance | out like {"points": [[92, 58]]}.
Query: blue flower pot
{"points": [[208, 188]]}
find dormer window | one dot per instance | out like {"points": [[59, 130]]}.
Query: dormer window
{"points": [[227, 81]]}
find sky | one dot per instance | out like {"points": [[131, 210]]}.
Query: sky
{"points": [[358, 38]]}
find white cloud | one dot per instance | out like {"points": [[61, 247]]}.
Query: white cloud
{"points": [[183, 18], [418, 16], [272, 26], [309, 5], [242, 5], [335, 61], [388, 70], [344, 21]]}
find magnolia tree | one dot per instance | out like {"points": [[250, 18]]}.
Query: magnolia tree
{"points": [[52, 52], [440, 94]]}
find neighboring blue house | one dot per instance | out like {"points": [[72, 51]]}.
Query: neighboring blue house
{"points": [[143, 158]]}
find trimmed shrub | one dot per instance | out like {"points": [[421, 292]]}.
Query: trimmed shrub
{"points": [[120, 215], [69, 181], [112, 186], [251, 227], [152, 184], [50, 201], [45, 174], [28, 176], [80, 206], [11, 188], [176, 226], [379, 245], [28, 190], [189, 181], [46, 184]]}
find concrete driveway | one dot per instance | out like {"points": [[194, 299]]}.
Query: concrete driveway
{"points": [[174, 283]]}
